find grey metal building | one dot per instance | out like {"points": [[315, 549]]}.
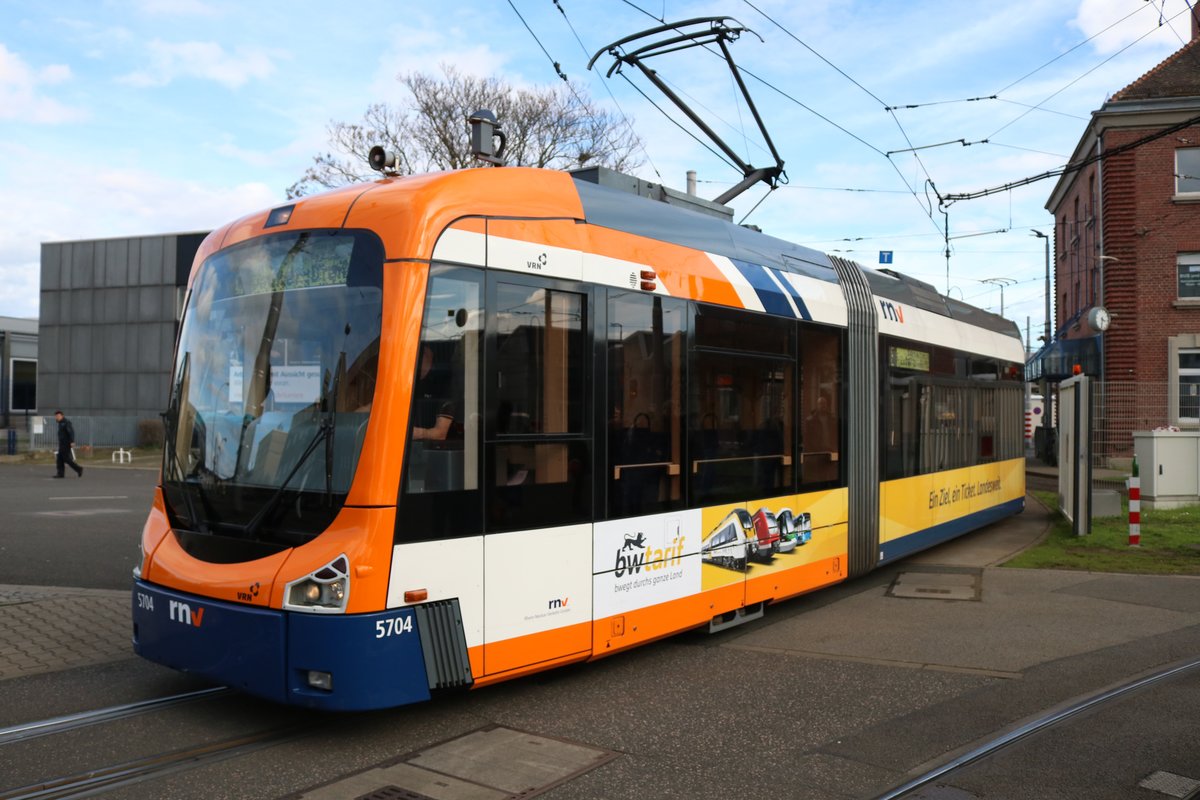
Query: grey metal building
{"points": [[109, 316]]}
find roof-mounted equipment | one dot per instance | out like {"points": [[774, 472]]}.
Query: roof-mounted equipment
{"points": [[383, 160], [485, 129]]}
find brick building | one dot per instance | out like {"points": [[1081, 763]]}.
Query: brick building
{"points": [[1126, 241]]}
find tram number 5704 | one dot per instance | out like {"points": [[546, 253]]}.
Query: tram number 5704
{"points": [[396, 626]]}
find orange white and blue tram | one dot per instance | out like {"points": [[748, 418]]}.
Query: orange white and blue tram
{"points": [[434, 432]]}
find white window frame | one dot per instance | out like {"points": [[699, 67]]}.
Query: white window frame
{"points": [[1187, 172], [1177, 347], [1186, 372], [1192, 262]]}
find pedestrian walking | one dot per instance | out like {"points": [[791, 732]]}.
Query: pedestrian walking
{"points": [[66, 443]]}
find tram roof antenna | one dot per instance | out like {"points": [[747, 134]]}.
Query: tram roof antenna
{"points": [[705, 31]]}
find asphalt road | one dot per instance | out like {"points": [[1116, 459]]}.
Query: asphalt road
{"points": [[837, 695], [80, 532]]}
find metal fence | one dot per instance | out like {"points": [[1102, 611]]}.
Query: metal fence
{"points": [[1118, 409], [94, 432]]}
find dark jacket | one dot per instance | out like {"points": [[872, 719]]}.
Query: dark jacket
{"points": [[66, 434]]}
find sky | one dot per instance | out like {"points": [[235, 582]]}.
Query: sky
{"points": [[143, 117]]}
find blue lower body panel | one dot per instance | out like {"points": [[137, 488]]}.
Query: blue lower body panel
{"points": [[372, 660], [922, 540]]}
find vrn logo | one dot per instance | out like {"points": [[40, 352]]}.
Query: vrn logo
{"points": [[893, 312], [182, 612]]}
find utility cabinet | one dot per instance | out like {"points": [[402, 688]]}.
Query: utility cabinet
{"points": [[1169, 467]]}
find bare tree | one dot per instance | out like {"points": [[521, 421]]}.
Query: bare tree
{"points": [[556, 127]]}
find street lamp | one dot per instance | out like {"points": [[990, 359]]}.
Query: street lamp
{"points": [[1041, 235], [1047, 395]]}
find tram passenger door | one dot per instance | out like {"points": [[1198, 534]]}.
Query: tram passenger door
{"points": [[537, 471], [439, 524]]}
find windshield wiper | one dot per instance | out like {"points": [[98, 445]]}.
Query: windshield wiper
{"points": [[256, 521], [324, 433], [331, 401]]}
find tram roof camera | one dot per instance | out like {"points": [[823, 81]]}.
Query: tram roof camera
{"points": [[485, 129], [382, 160]]}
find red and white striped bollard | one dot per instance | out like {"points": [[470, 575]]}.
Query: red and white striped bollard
{"points": [[1135, 507]]}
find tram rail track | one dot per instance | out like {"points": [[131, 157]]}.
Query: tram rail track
{"points": [[1035, 726], [92, 782], [68, 722]]}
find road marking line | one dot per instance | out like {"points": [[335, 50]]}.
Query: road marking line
{"points": [[97, 497]]}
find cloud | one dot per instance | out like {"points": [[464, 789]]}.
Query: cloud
{"points": [[203, 60], [1164, 24], [195, 8], [118, 202], [425, 50], [55, 73], [19, 289], [20, 96]]}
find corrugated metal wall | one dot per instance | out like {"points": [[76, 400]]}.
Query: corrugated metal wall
{"points": [[109, 311]]}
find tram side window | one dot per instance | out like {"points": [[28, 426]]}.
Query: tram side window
{"points": [[905, 366], [820, 405], [999, 408], [983, 411], [441, 495], [984, 369], [938, 417], [947, 427], [538, 457], [742, 406], [646, 353]]}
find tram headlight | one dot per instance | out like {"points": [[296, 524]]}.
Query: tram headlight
{"points": [[324, 591], [310, 592]]}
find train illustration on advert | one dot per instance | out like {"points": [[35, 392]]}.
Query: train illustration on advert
{"points": [[742, 538]]}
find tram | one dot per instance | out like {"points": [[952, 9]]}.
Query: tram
{"points": [[433, 432]]}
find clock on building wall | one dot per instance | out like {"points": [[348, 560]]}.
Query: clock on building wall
{"points": [[1098, 319]]}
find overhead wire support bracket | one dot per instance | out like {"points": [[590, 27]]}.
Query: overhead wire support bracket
{"points": [[963, 142], [707, 30]]}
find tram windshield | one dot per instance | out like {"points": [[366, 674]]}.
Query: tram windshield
{"points": [[273, 383]]}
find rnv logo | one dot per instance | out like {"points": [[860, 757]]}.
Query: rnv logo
{"points": [[182, 612]]}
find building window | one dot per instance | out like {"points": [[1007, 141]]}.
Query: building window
{"points": [[1187, 170], [23, 388], [1189, 386], [1189, 275], [1183, 368]]}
